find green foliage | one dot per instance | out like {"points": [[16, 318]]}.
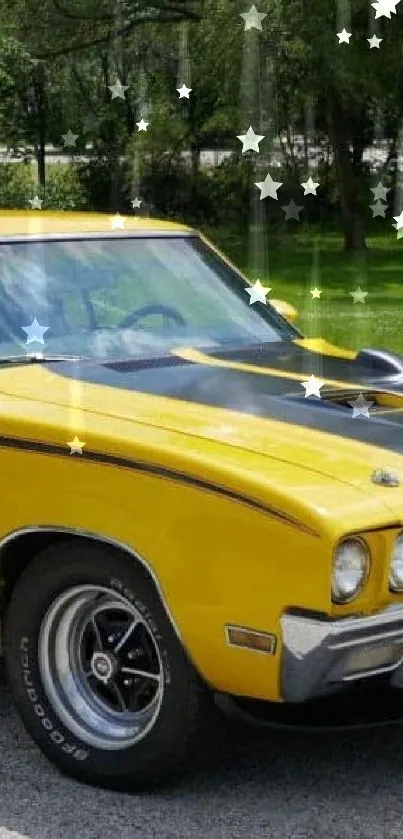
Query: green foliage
{"points": [[169, 191], [229, 190], [58, 27], [17, 185], [17, 70], [104, 184], [217, 196], [64, 190], [58, 59]]}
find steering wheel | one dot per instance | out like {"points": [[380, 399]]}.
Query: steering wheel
{"points": [[167, 313]]}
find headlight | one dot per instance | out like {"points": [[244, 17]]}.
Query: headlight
{"points": [[350, 569], [396, 565]]}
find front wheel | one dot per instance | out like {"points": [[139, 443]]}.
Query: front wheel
{"points": [[98, 674]]}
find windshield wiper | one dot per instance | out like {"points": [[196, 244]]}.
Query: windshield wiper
{"points": [[39, 358]]}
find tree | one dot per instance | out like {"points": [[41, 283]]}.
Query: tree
{"points": [[348, 83], [52, 32]]}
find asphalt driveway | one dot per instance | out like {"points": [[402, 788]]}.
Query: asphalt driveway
{"points": [[256, 784]]}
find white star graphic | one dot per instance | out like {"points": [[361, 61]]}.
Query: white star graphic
{"points": [[253, 18], [292, 211], [142, 125], [378, 209], [399, 220], [35, 332], [374, 42], [118, 89], [76, 446], [268, 187], [380, 192], [117, 222], [315, 293], [69, 139], [257, 293], [136, 203], [361, 406], [359, 295], [310, 187], [312, 387], [344, 36], [36, 203], [384, 8], [250, 141], [184, 92]]}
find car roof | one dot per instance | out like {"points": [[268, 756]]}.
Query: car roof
{"points": [[16, 223]]}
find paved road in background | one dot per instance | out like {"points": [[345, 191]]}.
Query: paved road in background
{"points": [[210, 157], [258, 784]]}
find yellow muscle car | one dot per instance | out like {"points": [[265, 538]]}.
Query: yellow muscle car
{"points": [[197, 501]]}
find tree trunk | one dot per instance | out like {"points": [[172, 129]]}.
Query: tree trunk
{"points": [[354, 229], [291, 147], [195, 159], [40, 94], [306, 151], [194, 139], [352, 215], [390, 165]]}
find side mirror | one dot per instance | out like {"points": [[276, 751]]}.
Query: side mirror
{"points": [[285, 309]]}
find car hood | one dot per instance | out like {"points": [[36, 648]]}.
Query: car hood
{"points": [[250, 402]]}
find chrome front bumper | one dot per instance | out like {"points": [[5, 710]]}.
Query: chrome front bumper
{"points": [[322, 656]]}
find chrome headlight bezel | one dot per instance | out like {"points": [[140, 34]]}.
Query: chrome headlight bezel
{"points": [[338, 596], [393, 586]]}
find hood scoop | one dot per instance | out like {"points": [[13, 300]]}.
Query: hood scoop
{"points": [[378, 404], [381, 362]]}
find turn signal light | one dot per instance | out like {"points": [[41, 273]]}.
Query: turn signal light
{"points": [[251, 639]]}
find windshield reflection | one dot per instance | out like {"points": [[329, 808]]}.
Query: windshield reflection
{"points": [[108, 298]]}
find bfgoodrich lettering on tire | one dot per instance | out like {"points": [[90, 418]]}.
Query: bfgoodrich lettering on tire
{"points": [[97, 672]]}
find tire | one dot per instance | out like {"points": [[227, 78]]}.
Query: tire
{"points": [[68, 612]]}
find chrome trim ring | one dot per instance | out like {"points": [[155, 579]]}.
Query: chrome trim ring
{"points": [[341, 601], [101, 667], [392, 586]]}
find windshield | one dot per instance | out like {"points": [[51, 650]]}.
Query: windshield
{"points": [[106, 297]]}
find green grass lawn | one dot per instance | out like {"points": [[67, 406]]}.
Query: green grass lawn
{"points": [[305, 260]]}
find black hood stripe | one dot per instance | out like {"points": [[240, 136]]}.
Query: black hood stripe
{"points": [[274, 397], [39, 447]]}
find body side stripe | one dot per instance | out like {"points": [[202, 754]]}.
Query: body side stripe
{"points": [[40, 447]]}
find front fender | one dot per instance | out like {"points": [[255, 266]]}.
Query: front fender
{"points": [[215, 560]]}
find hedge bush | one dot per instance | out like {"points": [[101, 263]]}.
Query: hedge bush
{"points": [[18, 183]]}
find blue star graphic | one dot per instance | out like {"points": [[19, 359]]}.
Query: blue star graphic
{"points": [[35, 332]]}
